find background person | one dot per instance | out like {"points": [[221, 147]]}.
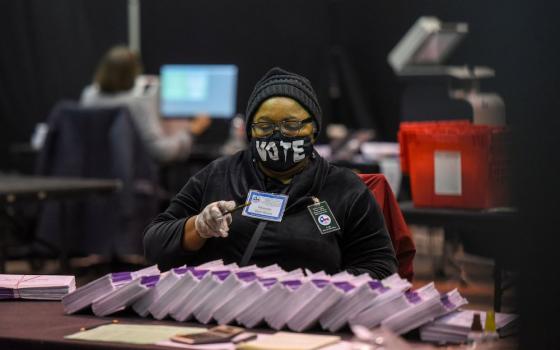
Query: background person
{"points": [[117, 82]]}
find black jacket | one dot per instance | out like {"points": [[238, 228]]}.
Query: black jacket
{"points": [[362, 244]]}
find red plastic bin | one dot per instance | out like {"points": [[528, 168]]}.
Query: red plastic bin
{"points": [[455, 164], [408, 128]]}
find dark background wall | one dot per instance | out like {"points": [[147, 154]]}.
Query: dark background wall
{"points": [[47, 52], [299, 35], [49, 49]]}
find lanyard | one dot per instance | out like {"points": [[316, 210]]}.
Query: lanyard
{"points": [[255, 238]]}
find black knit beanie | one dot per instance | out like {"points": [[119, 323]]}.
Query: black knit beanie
{"points": [[278, 82]]}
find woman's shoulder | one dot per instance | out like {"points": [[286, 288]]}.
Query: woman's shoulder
{"points": [[92, 96], [344, 177], [89, 94]]}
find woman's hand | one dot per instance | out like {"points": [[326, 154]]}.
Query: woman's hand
{"points": [[199, 124], [196, 126], [212, 222]]}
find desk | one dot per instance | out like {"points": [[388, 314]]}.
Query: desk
{"points": [[33, 324], [24, 188], [498, 221], [29, 324], [496, 217], [14, 189]]}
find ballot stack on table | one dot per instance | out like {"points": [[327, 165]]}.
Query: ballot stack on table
{"points": [[456, 326], [104, 287], [41, 287], [251, 296]]}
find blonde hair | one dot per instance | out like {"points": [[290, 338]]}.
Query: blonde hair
{"points": [[117, 70]]}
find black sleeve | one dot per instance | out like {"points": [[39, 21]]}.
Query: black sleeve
{"points": [[164, 235], [367, 247]]}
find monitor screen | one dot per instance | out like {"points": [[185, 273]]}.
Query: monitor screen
{"points": [[436, 48], [188, 90], [429, 42]]}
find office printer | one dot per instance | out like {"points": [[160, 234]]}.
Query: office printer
{"points": [[435, 91]]}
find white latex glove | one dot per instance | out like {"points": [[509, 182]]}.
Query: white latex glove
{"points": [[211, 222]]}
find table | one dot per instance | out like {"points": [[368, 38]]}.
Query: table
{"points": [[498, 221], [28, 324], [33, 324], [15, 188], [495, 217], [25, 188]]}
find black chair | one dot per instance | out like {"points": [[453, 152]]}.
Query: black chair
{"points": [[97, 143]]}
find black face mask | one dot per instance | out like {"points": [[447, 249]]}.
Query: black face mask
{"points": [[280, 153]]}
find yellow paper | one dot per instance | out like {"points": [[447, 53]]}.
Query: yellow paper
{"points": [[289, 341], [132, 334]]}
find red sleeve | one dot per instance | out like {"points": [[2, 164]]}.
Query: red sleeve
{"points": [[398, 230]]}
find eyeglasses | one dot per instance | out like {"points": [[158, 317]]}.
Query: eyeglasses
{"points": [[289, 128]]}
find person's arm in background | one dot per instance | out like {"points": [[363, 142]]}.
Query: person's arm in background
{"points": [[366, 246], [168, 140], [163, 147], [194, 127]]}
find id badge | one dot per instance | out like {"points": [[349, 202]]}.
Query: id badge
{"points": [[323, 217], [265, 206]]}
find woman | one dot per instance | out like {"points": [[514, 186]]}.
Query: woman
{"points": [[283, 120], [117, 82]]}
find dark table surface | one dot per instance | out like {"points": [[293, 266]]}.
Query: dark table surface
{"points": [[457, 217], [28, 324], [24, 187]]}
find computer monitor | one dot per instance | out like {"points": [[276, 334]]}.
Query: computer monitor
{"points": [[189, 89]]}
